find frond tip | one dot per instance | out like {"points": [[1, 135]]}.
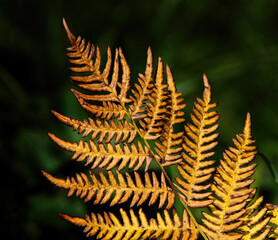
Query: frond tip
{"points": [[70, 35], [87, 61], [108, 226]]}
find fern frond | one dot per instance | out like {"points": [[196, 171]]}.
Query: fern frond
{"points": [[108, 226], [255, 222], [91, 78], [102, 156], [231, 187], [124, 188], [151, 115], [144, 88], [108, 110], [169, 145], [122, 130], [197, 169], [156, 107], [156, 118]]}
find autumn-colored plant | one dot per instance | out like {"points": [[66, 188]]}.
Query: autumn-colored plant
{"points": [[132, 131]]}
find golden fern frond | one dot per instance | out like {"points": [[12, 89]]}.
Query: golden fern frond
{"points": [[273, 212], [108, 226], [150, 116], [169, 145], [255, 222], [231, 187], [107, 111], [122, 130], [144, 88], [156, 106], [197, 168], [109, 155], [125, 188], [90, 77]]}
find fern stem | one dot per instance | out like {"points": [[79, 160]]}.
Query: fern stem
{"points": [[165, 173]]}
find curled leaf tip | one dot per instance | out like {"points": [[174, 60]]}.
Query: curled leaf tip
{"points": [[70, 35], [247, 126], [207, 89], [205, 80]]}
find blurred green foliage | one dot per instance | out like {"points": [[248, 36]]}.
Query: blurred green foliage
{"points": [[234, 42]]}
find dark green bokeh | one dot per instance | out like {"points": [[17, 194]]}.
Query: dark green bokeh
{"points": [[234, 42]]}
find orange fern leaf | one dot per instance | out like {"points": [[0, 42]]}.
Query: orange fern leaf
{"points": [[124, 188], [169, 145], [108, 226], [144, 88], [156, 110], [131, 131], [81, 54], [107, 111], [232, 188], [101, 155], [122, 130], [158, 107], [197, 169]]}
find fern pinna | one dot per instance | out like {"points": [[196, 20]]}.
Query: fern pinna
{"points": [[134, 130]]}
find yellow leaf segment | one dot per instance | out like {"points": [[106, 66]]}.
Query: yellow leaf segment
{"points": [[123, 187], [197, 167], [109, 227], [231, 187]]}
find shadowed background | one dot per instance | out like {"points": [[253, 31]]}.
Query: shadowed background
{"points": [[235, 43]]}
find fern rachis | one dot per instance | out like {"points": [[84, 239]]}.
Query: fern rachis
{"points": [[132, 130]]}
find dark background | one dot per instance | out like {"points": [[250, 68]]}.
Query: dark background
{"points": [[234, 42]]}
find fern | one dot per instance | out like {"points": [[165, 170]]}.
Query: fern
{"points": [[134, 130]]}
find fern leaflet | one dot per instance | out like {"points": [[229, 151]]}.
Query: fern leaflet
{"points": [[196, 170], [124, 188], [107, 226], [232, 188]]}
